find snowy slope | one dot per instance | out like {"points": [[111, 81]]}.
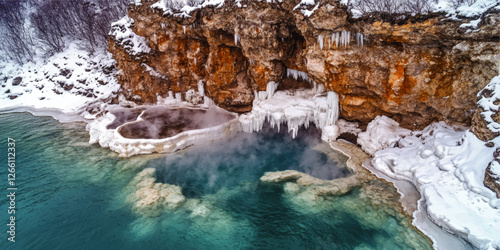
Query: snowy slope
{"points": [[67, 81], [447, 166]]}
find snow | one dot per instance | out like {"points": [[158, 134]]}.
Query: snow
{"points": [[447, 167], [153, 72], [182, 8], [381, 133], [475, 9], [66, 82], [123, 34], [303, 7], [295, 108], [488, 103], [495, 169]]}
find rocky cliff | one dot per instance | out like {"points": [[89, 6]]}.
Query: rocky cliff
{"points": [[415, 69]]}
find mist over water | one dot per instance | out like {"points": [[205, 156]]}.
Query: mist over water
{"points": [[162, 122], [246, 157], [73, 195]]}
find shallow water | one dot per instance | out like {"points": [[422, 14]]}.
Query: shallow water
{"points": [[72, 195]]}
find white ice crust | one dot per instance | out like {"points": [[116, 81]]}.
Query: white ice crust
{"points": [[126, 147]]}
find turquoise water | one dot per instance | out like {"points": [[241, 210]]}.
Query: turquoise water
{"points": [[72, 195]]}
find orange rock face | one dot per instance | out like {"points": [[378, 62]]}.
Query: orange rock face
{"points": [[416, 70]]}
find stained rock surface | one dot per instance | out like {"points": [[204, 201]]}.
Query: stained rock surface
{"points": [[415, 69]]}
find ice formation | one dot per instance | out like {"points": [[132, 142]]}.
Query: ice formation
{"points": [[236, 39], [447, 167], [360, 39], [341, 38], [126, 147], [297, 75], [296, 108], [320, 41]]}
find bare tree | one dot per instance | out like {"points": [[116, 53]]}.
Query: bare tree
{"points": [[458, 3], [53, 23], [17, 42], [393, 6]]}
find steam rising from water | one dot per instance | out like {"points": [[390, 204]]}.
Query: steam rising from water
{"points": [[246, 157], [84, 189], [162, 122]]}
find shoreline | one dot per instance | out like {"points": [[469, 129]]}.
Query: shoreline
{"points": [[410, 199]]}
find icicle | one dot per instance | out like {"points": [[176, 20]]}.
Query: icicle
{"points": [[163, 25], [184, 27], [201, 89], [262, 95], [207, 102], [333, 108], [360, 39], [297, 75], [320, 41], [170, 94], [236, 39], [321, 88], [271, 88]]}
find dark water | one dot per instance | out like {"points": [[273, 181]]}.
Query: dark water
{"points": [[72, 195]]}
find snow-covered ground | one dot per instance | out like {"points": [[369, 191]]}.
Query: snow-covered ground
{"points": [[453, 8], [447, 166], [68, 81]]}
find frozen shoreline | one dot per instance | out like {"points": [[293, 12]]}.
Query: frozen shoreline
{"points": [[447, 168], [415, 199], [410, 199]]}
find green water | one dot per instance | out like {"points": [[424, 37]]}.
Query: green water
{"points": [[72, 195]]}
